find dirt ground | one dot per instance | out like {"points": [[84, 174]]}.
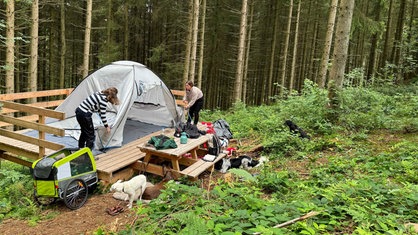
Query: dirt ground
{"points": [[85, 220], [89, 218]]}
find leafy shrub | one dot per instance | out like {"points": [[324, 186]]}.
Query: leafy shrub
{"points": [[17, 193]]}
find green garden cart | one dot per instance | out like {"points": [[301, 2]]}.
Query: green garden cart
{"points": [[67, 174]]}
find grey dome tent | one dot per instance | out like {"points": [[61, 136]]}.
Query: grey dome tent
{"points": [[143, 97]]}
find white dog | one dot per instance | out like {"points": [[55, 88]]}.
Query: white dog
{"points": [[133, 188]]}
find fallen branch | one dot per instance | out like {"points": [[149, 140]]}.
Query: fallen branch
{"points": [[134, 220], [308, 215]]}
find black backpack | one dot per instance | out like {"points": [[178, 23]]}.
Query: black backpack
{"points": [[221, 128], [180, 127], [191, 130], [214, 145]]}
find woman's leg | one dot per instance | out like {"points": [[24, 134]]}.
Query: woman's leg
{"points": [[196, 109], [190, 115], [87, 130]]}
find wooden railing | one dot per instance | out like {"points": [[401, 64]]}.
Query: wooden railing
{"points": [[20, 148], [19, 111], [179, 96], [53, 99]]}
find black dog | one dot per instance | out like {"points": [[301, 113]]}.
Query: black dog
{"points": [[295, 129]]}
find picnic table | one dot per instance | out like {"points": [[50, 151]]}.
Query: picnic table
{"points": [[186, 155]]}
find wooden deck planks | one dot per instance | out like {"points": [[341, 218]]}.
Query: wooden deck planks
{"points": [[118, 158], [24, 145]]}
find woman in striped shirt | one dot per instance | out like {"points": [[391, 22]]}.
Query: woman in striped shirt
{"points": [[97, 102]]}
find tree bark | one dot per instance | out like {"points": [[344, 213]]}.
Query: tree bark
{"points": [[194, 39], [63, 45], [10, 46], [397, 47], [295, 49], [247, 53], [126, 32], [188, 45], [342, 37], [202, 44], [33, 63], [86, 53], [241, 53], [273, 50], [328, 42], [387, 36], [371, 68], [286, 48]]}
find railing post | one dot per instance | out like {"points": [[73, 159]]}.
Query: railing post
{"points": [[41, 136]]}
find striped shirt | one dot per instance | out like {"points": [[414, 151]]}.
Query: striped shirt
{"points": [[96, 102]]}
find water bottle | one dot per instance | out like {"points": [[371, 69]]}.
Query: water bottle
{"points": [[183, 138]]}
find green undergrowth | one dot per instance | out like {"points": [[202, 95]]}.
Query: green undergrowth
{"points": [[357, 172]]}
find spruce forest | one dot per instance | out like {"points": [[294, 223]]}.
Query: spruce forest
{"points": [[234, 50], [343, 70]]}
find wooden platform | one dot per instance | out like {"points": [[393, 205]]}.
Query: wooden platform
{"points": [[23, 150], [117, 163]]}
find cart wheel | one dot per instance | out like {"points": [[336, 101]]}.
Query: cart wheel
{"points": [[44, 201], [75, 194]]}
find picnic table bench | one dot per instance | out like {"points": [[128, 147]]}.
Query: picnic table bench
{"points": [[185, 159]]}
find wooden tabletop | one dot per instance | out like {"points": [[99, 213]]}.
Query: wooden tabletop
{"points": [[181, 149]]}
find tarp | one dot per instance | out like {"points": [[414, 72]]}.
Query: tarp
{"points": [[143, 97]]}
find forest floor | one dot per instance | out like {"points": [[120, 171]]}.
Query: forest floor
{"points": [[90, 218], [93, 216]]}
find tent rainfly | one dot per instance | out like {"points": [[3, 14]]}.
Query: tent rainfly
{"points": [[143, 97]]}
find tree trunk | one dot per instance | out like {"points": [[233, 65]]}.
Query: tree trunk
{"points": [[286, 48], [241, 53], [295, 49], [328, 42], [10, 46], [33, 63], [86, 53], [342, 37], [387, 36], [397, 46], [273, 51], [194, 39], [63, 46], [126, 32], [247, 53], [371, 68], [202, 44], [188, 45]]}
